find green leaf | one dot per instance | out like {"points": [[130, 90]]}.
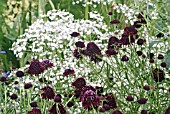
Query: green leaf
{"points": [[154, 42], [10, 37]]}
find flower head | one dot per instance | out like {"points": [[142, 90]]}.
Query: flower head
{"points": [[36, 67], [111, 101], [35, 111], [79, 83], [47, 92], [75, 34], [68, 72], [158, 75], [130, 30], [47, 64], [20, 73]]}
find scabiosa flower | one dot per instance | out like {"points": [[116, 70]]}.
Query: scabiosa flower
{"points": [[158, 75], [53, 109], [142, 101], [14, 96], [160, 56], [77, 54], [110, 52], [144, 112], [3, 79], [125, 40], [47, 92], [102, 109], [151, 55], [129, 98], [151, 60], [163, 64], [36, 67], [160, 35], [125, 58], [77, 93], [70, 104], [140, 16], [139, 53], [117, 112], [33, 104], [47, 64], [106, 107], [112, 42], [111, 101], [75, 34], [57, 98], [146, 87], [130, 30], [80, 44], [35, 111], [90, 99], [20, 73], [114, 22], [79, 83], [140, 41], [68, 72], [28, 85], [110, 13]]}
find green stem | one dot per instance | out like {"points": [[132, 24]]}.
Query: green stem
{"points": [[86, 10], [52, 5]]}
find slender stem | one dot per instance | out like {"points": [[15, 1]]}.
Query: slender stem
{"points": [[52, 5], [86, 10]]}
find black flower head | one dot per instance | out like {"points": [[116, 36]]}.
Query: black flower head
{"points": [[125, 58], [125, 40], [163, 64], [20, 73], [33, 104], [158, 75], [142, 101], [144, 112], [112, 42], [160, 56], [110, 52], [139, 53], [75, 34], [137, 24], [160, 35], [70, 104], [68, 72], [47, 64], [140, 16], [129, 98], [77, 54], [130, 30], [3, 79], [117, 112], [53, 109], [47, 93], [14, 96], [57, 98], [79, 83], [36, 67], [151, 55], [110, 13], [80, 44], [90, 99], [111, 101], [146, 87], [77, 93], [28, 85], [85, 88], [35, 111], [167, 111], [106, 106], [102, 109], [140, 41], [114, 22]]}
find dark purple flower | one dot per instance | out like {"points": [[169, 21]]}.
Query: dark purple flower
{"points": [[110, 13], [90, 99], [111, 101], [47, 64], [102, 109], [125, 40], [144, 112], [151, 60], [137, 24], [57, 98], [16, 82], [151, 55], [68, 72], [158, 75], [114, 22], [28, 85], [35, 111], [36, 67], [70, 104], [129, 98], [146, 87], [3, 79], [14, 96], [139, 53], [110, 52], [130, 30], [142, 101], [42, 80], [140, 41], [20, 73], [112, 42], [53, 109], [125, 58], [106, 107], [160, 56], [77, 93], [33, 104], [160, 35], [80, 44], [77, 54], [117, 112], [75, 34], [163, 64], [79, 83], [167, 111], [47, 92], [140, 16]]}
